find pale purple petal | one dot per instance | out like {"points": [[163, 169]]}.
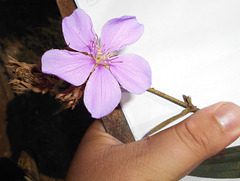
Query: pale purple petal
{"points": [[120, 32], [73, 67], [78, 31], [102, 93], [132, 72]]}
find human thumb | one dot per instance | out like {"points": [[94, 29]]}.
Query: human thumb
{"points": [[176, 151]]}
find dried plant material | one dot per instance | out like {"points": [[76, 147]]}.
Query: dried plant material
{"points": [[29, 165], [71, 95], [28, 77]]}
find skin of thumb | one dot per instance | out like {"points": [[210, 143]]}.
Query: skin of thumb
{"points": [[168, 155], [176, 151]]}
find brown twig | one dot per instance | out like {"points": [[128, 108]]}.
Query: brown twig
{"points": [[187, 104]]}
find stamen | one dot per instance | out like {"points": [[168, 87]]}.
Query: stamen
{"points": [[115, 62], [102, 55]]}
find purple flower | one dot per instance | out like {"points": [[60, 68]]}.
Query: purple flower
{"points": [[96, 63]]}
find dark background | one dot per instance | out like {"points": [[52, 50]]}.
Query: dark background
{"points": [[28, 28]]}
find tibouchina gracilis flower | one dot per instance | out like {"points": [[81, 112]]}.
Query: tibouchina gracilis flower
{"points": [[96, 63]]}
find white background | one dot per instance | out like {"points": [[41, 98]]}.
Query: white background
{"points": [[193, 48]]}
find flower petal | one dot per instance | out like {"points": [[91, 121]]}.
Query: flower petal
{"points": [[102, 93], [78, 31], [73, 67], [132, 72], [120, 32]]}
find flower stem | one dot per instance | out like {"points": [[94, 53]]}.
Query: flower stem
{"points": [[167, 122], [187, 104], [167, 97]]}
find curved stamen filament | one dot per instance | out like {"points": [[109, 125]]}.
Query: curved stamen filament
{"points": [[100, 54]]}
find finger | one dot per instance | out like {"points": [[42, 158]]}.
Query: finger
{"points": [[176, 151]]}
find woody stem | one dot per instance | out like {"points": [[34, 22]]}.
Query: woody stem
{"points": [[187, 104], [167, 97]]}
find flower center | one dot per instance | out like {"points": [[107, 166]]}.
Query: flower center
{"points": [[101, 55]]}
